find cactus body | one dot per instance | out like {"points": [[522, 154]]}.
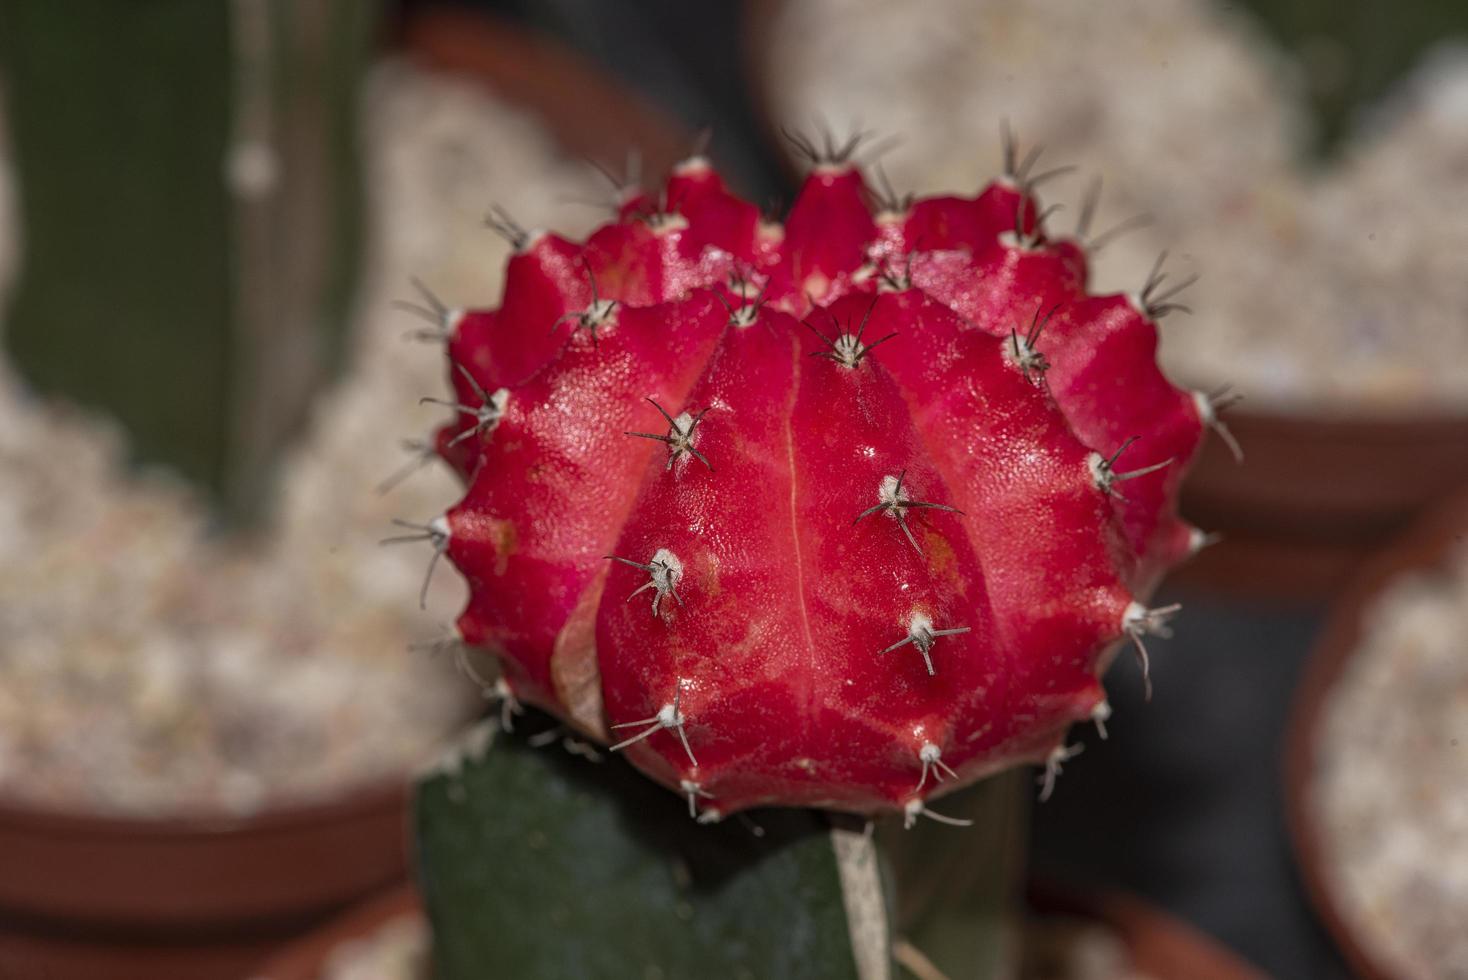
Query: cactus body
{"points": [[845, 512]]}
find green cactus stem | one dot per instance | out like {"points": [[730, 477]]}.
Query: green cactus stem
{"points": [[539, 862], [189, 201]]}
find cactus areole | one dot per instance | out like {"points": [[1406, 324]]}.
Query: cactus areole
{"points": [[844, 512]]}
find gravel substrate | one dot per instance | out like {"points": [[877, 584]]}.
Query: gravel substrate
{"points": [[1320, 292], [1389, 794], [152, 668]]}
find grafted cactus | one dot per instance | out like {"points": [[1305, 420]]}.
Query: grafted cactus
{"points": [[845, 513], [840, 513]]}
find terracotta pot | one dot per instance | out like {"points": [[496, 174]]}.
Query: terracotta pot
{"points": [[1426, 546], [1160, 946], [591, 115], [86, 896], [305, 958], [1315, 497]]}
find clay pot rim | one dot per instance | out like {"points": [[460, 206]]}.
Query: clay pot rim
{"points": [[201, 823], [1416, 426], [1156, 939], [303, 958], [580, 103], [1425, 547]]}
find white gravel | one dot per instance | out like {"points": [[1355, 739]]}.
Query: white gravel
{"points": [[1390, 793]]}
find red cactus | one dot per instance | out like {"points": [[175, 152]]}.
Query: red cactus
{"points": [[843, 513]]}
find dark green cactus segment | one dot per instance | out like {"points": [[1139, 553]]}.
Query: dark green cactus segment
{"points": [[536, 863], [119, 117], [954, 888]]}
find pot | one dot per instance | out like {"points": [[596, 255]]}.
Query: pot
{"points": [[89, 896], [305, 958], [1160, 946], [1426, 546], [1315, 498], [590, 115]]}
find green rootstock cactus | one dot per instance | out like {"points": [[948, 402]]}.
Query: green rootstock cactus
{"points": [[188, 184], [847, 513], [548, 864]]}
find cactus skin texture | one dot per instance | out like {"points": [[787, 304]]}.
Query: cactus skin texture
{"points": [[828, 513]]}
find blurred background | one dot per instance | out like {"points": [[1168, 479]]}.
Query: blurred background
{"points": [[226, 233]]}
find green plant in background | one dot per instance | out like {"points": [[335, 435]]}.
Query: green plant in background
{"points": [[189, 196], [1353, 52]]}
